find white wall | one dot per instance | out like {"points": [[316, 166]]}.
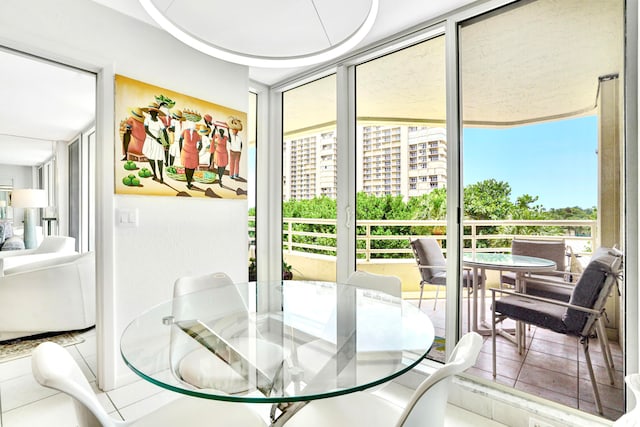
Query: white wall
{"points": [[176, 236]]}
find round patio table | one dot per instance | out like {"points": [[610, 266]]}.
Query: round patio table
{"points": [[481, 261]]}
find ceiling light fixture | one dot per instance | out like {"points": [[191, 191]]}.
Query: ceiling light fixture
{"points": [[265, 61]]}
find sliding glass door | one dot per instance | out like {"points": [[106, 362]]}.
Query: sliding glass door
{"points": [[401, 170], [309, 180], [542, 155]]}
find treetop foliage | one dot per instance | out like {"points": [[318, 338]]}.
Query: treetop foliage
{"points": [[485, 200]]}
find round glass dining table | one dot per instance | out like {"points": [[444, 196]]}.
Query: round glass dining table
{"points": [[284, 341]]}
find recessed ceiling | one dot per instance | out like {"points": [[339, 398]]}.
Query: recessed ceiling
{"points": [[42, 102], [393, 17], [282, 32]]}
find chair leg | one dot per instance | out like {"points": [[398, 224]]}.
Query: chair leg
{"points": [[606, 350], [436, 300], [596, 395], [468, 308], [493, 333], [421, 291]]}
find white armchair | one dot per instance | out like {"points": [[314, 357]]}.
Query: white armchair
{"points": [[51, 295]]}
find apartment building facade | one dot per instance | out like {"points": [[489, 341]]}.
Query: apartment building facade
{"points": [[404, 160]]}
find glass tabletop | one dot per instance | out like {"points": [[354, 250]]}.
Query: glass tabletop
{"points": [[510, 262], [308, 340]]}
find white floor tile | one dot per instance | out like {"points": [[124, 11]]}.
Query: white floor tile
{"points": [[56, 410], [15, 368], [132, 393], [145, 406], [21, 391]]}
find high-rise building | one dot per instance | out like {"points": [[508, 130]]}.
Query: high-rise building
{"points": [[391, 160]]}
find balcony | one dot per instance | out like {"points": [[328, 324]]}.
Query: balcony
{"points": [[547, 369]]}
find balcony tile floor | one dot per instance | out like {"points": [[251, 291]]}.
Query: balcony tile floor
{"points": [[548, 368], [24, 403]]}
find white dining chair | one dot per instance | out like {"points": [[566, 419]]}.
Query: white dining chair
{"points": [[391, 285], [426, 406], [197, 365], [317, 353], [53, 367]]}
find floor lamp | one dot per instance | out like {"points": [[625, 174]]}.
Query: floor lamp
{"points": [[29, 199]]}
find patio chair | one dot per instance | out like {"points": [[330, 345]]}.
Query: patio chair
{"points": [[433, 268], [53, 367], [425, 407], [579, 317], [554, 250]]}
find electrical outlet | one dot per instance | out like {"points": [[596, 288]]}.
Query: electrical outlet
{"points": [[534, 422]]}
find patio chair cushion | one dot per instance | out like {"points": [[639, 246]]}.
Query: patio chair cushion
{"points": [[438, 277], [589, 288], [549, 290], [537, 313]]}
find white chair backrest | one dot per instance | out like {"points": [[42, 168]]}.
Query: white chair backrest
{"points": [[56, 244], [429, 401], [53, 367], [378, 282], [186, 285], [218, 298], [220, 287]]}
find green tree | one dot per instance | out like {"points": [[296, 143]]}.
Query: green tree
{"points": [[432, 206], [488, 199]]}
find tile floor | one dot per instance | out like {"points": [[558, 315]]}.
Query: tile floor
{"points": [[548, 368], [24, 403]]}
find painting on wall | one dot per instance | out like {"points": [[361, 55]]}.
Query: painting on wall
{"points": [[170, 144]]}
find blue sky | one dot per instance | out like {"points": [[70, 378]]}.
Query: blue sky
{"points": [[555, 161]]}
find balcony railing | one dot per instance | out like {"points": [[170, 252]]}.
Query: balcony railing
{"points": [[301, 235]]}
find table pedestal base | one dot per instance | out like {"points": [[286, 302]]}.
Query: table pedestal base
{"points": [[287, 410]]}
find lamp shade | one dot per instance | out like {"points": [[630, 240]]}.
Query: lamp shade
{"points": [[29, 198]]}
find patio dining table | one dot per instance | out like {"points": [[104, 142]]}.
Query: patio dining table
{"points": [[481, 261], [331, 339]]}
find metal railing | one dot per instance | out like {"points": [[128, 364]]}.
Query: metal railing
{"points": [[383, 240]]}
